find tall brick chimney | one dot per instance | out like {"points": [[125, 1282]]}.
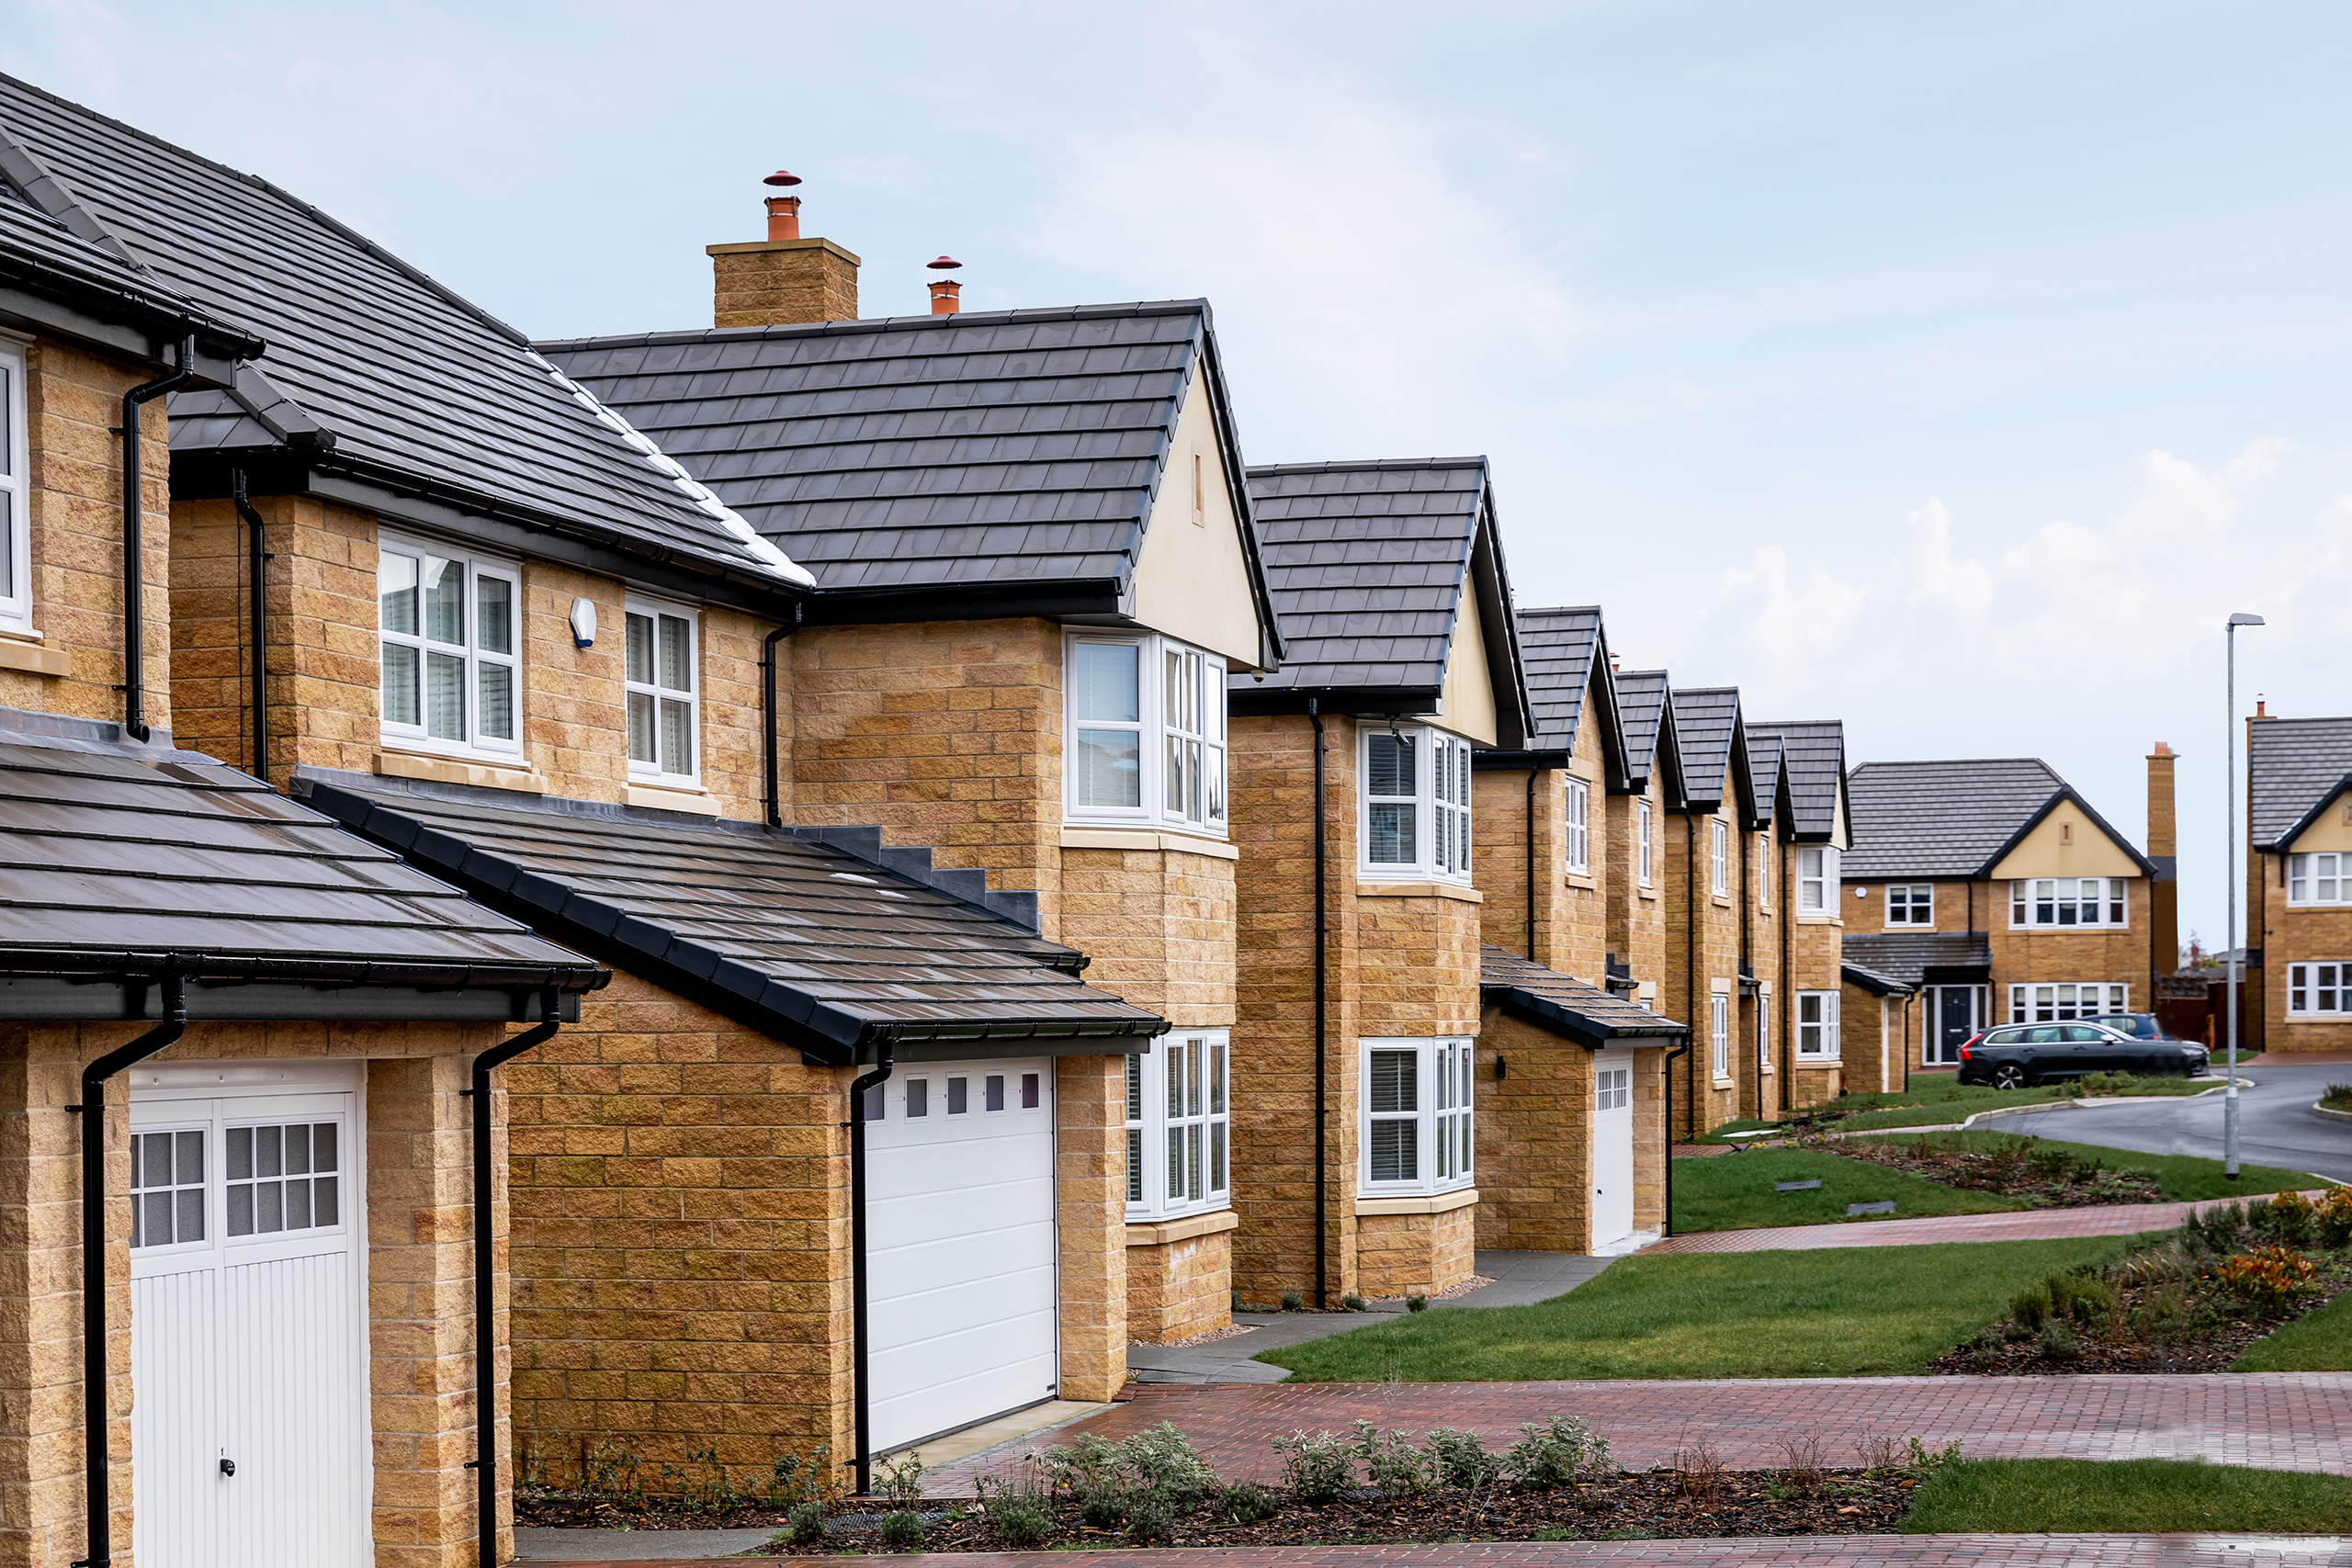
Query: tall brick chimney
{"points": [[784, 280], [2163, 894]]}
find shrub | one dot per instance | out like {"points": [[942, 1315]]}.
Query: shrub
{"points": [[2338, 1097], [1316, 1466], [1293, 1301], [806, 1524], [2268, 1278], [1151, 1519], [1103, 1506], [2217, 1230], [2029, 1308], [2083, 1297], [1163, 1462], [1016, 1515], [1082, 1468], [1417, 1304], [1391, 1465], [901, 1479], [2291, 1217], [1460, 1459], [1351, 1303], [1555, 1454], [2107, 1083], [1249, 1503], [2333, 1224], [2058, 1341]]}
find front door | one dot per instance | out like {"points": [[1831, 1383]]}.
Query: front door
{"points": [[1955, 1021], [1612, 1148], [249, 1429]]}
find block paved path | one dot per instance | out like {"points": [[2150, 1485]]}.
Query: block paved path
{"points": [[2032, 1225], [1748, 1551], [2279, 1420]]}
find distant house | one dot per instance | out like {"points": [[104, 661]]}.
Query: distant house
{"points": [[2298, 884]]}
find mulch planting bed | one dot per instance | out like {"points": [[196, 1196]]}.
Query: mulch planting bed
{"points": [[1647, 1504], [2039, 1179]]}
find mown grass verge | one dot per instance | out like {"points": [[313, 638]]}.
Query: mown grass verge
{"points": [[1736, 1193], [2065, 1496]]}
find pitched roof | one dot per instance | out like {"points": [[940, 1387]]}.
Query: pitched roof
{"points": [[1765, 772], [781, 932], [406, 382], [1814, 753], [1955, 958], [113, 857], [1551, 1001], [1561, 648], [2297, 766], [1707, 729], [1013, 452], [1873, 982], [1648, 718], [1952, 818]]}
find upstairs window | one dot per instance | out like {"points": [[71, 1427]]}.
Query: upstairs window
{"points": [[1147, 737], [2055, 901], [15, 542], [1178, 1114], [1817, 880], [2319, 988], [450, 631], [1577, 857], [660, 679], [1642, 841], [1718, 857], [1912, 905], [2318, 878], [1416, 803], [1417, 1116]]}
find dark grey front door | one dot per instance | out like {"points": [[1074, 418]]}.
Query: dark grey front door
{"points": [[1958, 1020]]}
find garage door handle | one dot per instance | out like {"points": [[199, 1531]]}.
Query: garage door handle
{"points": [[227, 1467]]}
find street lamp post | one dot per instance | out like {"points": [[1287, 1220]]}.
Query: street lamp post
{"points": [[2230, 939]]}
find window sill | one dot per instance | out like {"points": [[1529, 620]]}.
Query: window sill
{"points": [[1820, 1062], [1722, 900], [450, 769], [1579, 879], [672, 798], [1821, 920], [1722, 1084], [1646, 891], [1442, 1204], [1147, 839], [1157, 1233], [1419, 890], [31, 658]]}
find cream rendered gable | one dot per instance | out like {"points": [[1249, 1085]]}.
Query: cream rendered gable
{"points": [[2044, 853], [1838, 836], [1467, 697], [2332, 830], [1192, 580]]}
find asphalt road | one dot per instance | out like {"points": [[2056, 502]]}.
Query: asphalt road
{"points": [[2276, 1126]]}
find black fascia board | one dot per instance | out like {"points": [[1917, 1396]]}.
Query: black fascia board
{"points": [[1615, 779], [1736, 772], [1499, 762], [1566, 1021], [1102, 601], [1956, 974], [91, 999], [2304, 823], [1873, 982], [2062, 792], [287, 969], [1489, 578], [109, 323], [1361, 702], [1668, 754]]}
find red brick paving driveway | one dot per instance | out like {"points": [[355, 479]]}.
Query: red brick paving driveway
{"points": [[2033, 1224]]}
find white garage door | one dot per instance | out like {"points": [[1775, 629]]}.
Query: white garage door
{"points": [[960, 1292], [248, 1335], [1612, 1148]]}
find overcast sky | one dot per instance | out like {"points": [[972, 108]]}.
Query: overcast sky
{"points": [[1953, 371]]}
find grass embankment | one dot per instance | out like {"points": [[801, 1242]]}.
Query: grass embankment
{"points": [[1835, 1313], [2141, 1495], [1722, 1192], [2320, 1342], [2186, 1179], [1937, 1098]]}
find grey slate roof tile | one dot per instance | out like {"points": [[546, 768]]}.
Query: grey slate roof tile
{"points": [[2297, 766], [1544, 996], [1706, 723], [1814, 753], [1764, 768], [1942, 818], [1907, 956], [1642, 703], [1561, 648]]}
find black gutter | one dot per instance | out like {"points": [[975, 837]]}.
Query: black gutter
{"points": [[485, 1460], [1531, 865], [858, 1088], [257, 632], [1665, 1220], [1322, 1197], [134, 649], [98, 1534], [1372, 702], [1690, 969], [768, 713], [299, 971]]}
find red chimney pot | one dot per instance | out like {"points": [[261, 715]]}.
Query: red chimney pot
{"points": [[781, 177], [944, 264]]}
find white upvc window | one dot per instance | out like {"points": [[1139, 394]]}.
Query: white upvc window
{"points": [[2318, 878], [1817, 1026], [1416, 1116], [1764, 1032], [16, 515], [1642, 841], [1578, 843], [1764, 872], [1179, 1138], [1912, 904], [2319, 989], [1146, 733], [2055, 901], [664, 714], [450, 627], [1719, 1033], [1718, 857], [1416, 803], [2059, 1000], [1817, 880]]}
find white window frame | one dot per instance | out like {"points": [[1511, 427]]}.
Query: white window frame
{"points": [[1180, 730], [1195, 1133], [1718, 857], [1719, 1033], [15, 492], [658, 694], [1442, 1116], [1577, 847], [2062, 1001], [1899, 896], [2319, 989], [1817, 1036], [1764, 1030], [472, 657], [1764, 873], [2320, 878], [1817, 871], [1440, 805], [1641, 841], [2033, 898]]}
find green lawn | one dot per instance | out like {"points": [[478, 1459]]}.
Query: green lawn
{"points": [[2319, 1343], [2184, 1178], [1834, 1313], [1722, 1192], [2138, 1495], [1934, 1098]]}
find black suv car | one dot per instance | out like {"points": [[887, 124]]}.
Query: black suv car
{"points": [[2015, 1055]]}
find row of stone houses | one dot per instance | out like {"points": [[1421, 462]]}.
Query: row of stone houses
{"points": [[805, 882]]}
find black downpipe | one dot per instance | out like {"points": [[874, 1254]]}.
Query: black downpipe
{"points": [[1690, 971], [134, 639], [96, 1457], [1322, 926], [1666, 1224], [768, 715], [257, 632], [485, 1460], [856, 1125], [1531, 865]]}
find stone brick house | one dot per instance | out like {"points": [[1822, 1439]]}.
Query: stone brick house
{"points": [[1811, 835], [2299, 885], [1997, 891], [1359, 1003], [1634, 889], [1710, 929]]}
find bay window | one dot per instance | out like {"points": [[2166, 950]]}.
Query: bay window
{"points": [[16, 518], [1577, 857], [1146, 733], [1416, 1116], [2319, 988], [1179, 1126], [659, 680], [450, 630], [1817, 880], [1416, 803], [2318, 878], [2066, 901], [1817, 1026], [2056, 1002]]}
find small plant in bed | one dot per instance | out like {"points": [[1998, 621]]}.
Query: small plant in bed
{"points": [[2046, 1173]]}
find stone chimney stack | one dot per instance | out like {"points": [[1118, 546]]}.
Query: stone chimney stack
{"points": [[2164, 895], [784, 280]]}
